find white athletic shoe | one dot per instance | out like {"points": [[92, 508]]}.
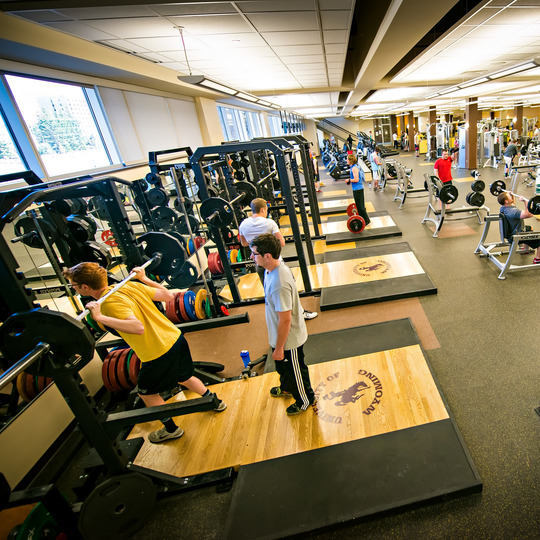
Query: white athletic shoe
{"points": [[163, 435], [308, 315]]}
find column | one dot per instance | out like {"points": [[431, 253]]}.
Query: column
{"points": [[518, 115]]}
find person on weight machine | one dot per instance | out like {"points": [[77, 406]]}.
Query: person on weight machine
{"points": [[510, 152], [287, 330], [259, 223], [162, 348], [357, 180], [515, 217]]}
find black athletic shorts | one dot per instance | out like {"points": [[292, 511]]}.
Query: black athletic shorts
{"points": [[166, 371]]}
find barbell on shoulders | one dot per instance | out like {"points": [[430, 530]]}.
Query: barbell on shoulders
{"points": [[533, 204]]}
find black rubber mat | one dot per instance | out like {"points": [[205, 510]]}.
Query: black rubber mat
{"points": [[329, 486]]}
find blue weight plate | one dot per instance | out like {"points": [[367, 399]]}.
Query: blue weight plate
{"points": [[189, 304]]}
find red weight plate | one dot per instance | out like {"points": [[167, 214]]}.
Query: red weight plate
{"points": [[183, 311], [356, 224], [199, 241], [41, 383], [112, 371], [352, 210], [105, 372], [177, 301], [224, 310], [121, 371], [30, 386], [134, 368], [212, 263], [219, 264], [171, 311]]}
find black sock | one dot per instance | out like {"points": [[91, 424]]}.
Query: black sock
{"points": [[169, 424], [206, 394]]}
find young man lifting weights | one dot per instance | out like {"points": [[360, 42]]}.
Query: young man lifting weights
{"points": [[161, 347]]}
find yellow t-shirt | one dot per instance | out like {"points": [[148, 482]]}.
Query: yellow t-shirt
{"points": [[135, 298]]}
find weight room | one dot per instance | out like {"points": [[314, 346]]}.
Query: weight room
{"points": [[138, 133]]}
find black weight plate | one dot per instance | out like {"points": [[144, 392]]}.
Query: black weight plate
{"points": [[67, 337], [228, 235], [181, 238], [236, 165], [497, 187], [212, 191], [153, 178], [239, 175], [157, 197], [164, 217], [217, 212], [79, 229], [65, 207], [534, 205], [181, 224], [188, 205], [94, 252], [249, 191], [92, 222], [187, 277], [448, 194], [478, 185], [25, 225], [170, 248], [118, 507], [476, 199]]}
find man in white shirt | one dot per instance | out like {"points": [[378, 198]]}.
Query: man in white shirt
{"points": [[259, 223]]}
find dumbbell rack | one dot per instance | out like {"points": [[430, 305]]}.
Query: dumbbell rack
{"points": [[439, 215], [402, 186]]}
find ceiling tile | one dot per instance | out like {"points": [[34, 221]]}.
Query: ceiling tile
{"points": [[482, 16], [227, 40], [311, 68], [335, 48], [107, 12], [275, 5], [173, 43], [307, 59], [298, 50], [135, 28], [212, 24], [41, 15], [193, 8], [335, 36], [284, 21], [292, 38], [81, 30], [516, 16], [336, 20], [331, 5]]}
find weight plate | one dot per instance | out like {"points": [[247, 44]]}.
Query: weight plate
{"points": [[208, 308], [134, 368], [224, 311], [188, 205], [65, 207], [118, 507], [233, 255], [249, 191], [157, 197], [41, 383], [497, 187], [187, 277], [121, 370], [171, 311], [191, 246], [239, 175], [170, 248], [189, 304], [356, 224], [182, 307], [217, 212], [239, 257], [478, 185], [200, 299], [31, 390], [181, 225], [164, 218], [199, 241], [153, 178], [227, 235], [25, 225], [448, 194], [107, 237], [21, 386], [177, 301], [105, 372], [79, 229], [66, 336], [534, 205], [113, 381], [352, 210], [93, 252]]}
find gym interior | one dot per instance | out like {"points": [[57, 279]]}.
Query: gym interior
{"points": [[139, 133]]}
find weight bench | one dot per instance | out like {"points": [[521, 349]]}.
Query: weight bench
{"points": [[402, 187], [439, 215], [509, 246]]}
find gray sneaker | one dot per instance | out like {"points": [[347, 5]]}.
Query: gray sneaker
{"points": [[163, 435], [308, 315]]}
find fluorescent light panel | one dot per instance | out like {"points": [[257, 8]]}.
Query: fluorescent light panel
{"points": [[515, 69], [472, 83]]}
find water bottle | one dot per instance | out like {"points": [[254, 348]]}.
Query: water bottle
{"points": [[244, 355]]}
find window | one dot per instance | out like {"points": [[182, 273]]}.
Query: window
{"points": [[62, 125], [240, 125], [276, 128], [10, 160]]}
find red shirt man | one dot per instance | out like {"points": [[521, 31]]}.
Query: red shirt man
{"points": [[443, 168]]}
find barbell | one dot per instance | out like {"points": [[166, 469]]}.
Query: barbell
{"points": [[446, 193], [533, 204]]}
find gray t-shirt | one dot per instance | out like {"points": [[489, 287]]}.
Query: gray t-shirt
{"points": [[281, 294], [252, 227]]}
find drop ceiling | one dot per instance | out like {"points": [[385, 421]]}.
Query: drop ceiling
{"points": [[294, 53]]}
